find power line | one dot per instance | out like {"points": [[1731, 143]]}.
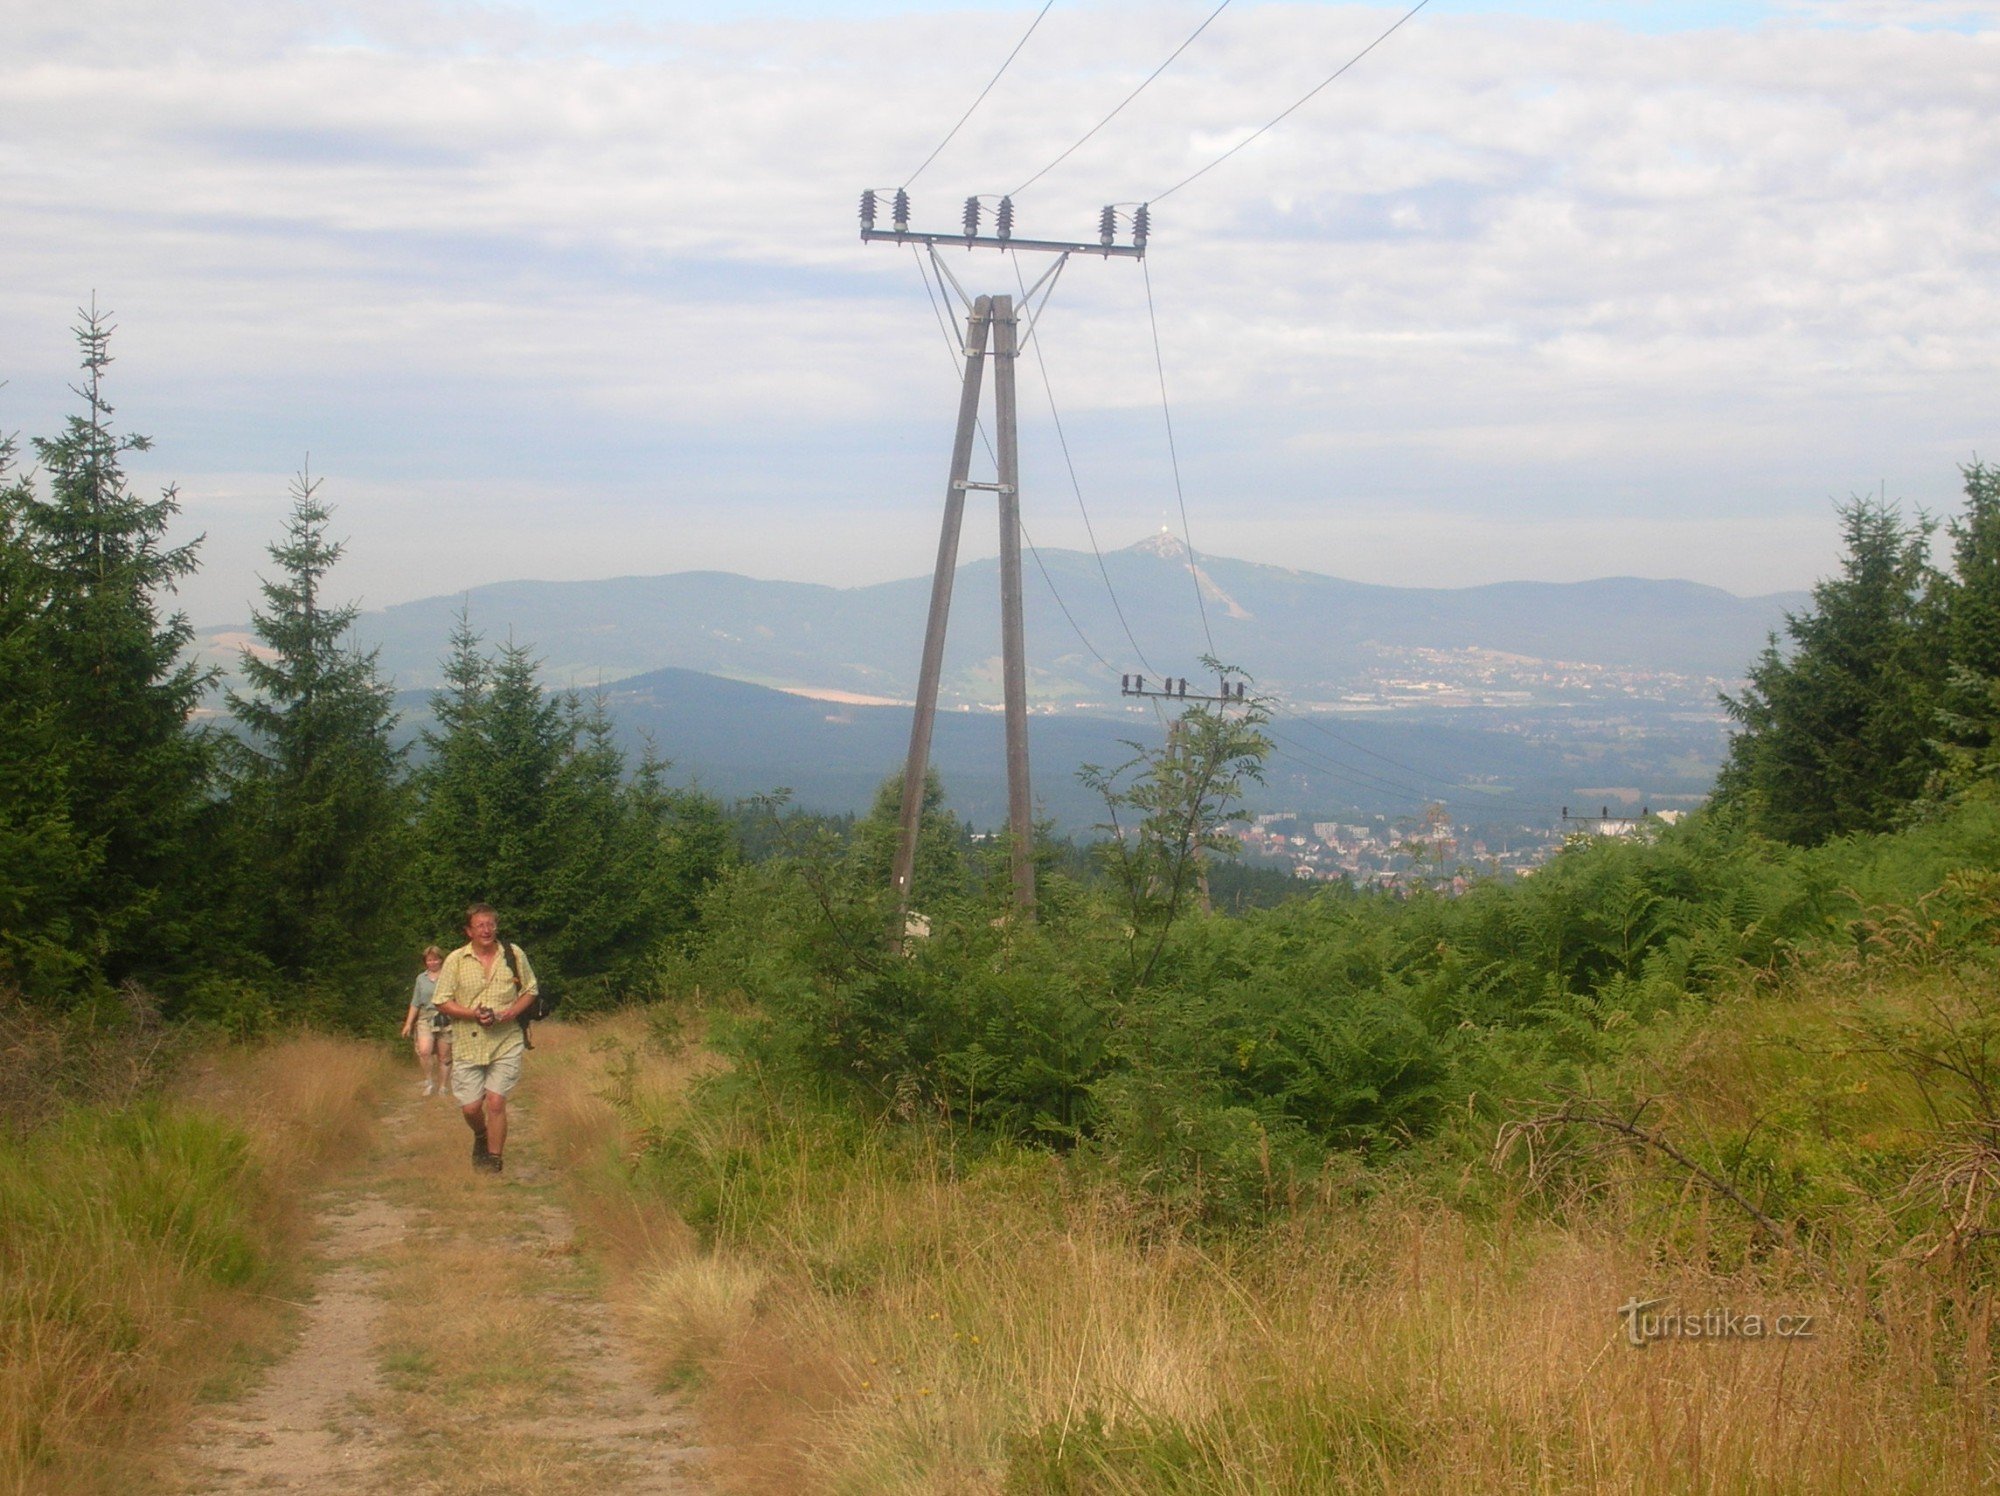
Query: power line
{"points": [[1349, 771], [1173, 455], [1089, 529], [1278, 750], [1323, 83], [939, 300], [1305, 719], [982, 93], [1122, 103], [1035, 551], [1456, 791]]}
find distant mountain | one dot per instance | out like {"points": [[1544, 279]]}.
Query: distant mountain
{"points": [[1304, 635]]}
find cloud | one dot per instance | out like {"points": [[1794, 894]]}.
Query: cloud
{"points": [[1540, 266], [1955, 14]]}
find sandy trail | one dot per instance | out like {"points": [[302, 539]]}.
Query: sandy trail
{"points": [[456, 1341]]}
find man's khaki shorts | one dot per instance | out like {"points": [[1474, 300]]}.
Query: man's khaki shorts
{"points": [[470, 1082]]}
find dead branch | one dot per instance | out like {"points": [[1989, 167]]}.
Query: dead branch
{"points": [[1960, 1182], [1582, 1114]]}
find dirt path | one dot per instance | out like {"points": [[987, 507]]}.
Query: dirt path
{"points": [[456, 1341]]}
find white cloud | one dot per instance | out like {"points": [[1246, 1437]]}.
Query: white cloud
{"points": [[1536, 266]]}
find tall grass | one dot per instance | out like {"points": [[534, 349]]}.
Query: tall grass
{"points": [[868, 1308], [142, 1245]]}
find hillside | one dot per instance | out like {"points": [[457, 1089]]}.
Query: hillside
{"points": [[1307, 636], [735, 739]]}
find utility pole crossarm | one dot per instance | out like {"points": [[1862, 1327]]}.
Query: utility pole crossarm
{"points": [[993, 241], [1177, 690], [969, 236]]}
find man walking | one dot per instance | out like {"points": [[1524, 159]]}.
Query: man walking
{"points": [[483, 988]]}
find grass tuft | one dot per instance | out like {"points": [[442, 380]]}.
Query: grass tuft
{"points": [[144, 1245]]}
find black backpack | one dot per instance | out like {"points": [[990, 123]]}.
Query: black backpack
{"points": [[544, 1002]]}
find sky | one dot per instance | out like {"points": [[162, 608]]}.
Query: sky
{"points": [[1545, 289]]}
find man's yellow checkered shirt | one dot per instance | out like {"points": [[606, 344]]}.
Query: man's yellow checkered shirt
{"points": [[464, 981]]}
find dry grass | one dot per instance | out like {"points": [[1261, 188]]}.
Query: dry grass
{"points": [[498, 1370], [874, 1314], [145, 1246]]}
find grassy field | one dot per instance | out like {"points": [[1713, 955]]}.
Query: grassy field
{"points": [[148, 1218], [871, 1306], [867, 1308]]}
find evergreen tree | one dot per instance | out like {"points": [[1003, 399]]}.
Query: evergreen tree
{"points": [[134, 777], [1837, 731], [452, 790], [1972, 591], [626, 860], [689, 843], [528, 738], [1969, 717], [316, 789], [525, 804], [45, 868], [939, 869]]}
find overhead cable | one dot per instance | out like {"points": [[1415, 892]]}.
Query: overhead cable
{"points": [[1076, 487], [1457, 791], [1306, 719], [1323, 83], [1321, 763], [1122, 103], [1173, 455], [1029, 540], [1347, 771], [952, 346], [982, 94]]}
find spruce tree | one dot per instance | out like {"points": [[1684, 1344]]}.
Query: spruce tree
{"points": [[492, 758], [317, 784], [628, 857], [45, 868], [1972, 590], [1837, 730], [528, 736], [134, 777], [452, 791], [526, 805], [1969, 601]]}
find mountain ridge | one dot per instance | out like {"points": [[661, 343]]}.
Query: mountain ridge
{"points": [[1304, 633]]}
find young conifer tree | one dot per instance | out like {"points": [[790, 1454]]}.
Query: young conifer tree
{"points": [[525, 804], [317, 784], [1837, 730], [134, 777], [453, 793], [1969, 719], [492, 759], [45, 868]]}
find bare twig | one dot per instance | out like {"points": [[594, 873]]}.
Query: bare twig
{"points": [[1577, 1113]]}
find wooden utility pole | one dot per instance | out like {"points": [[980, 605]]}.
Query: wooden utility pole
{"points": [[998, 319], [1013, 643], [977, 326]]}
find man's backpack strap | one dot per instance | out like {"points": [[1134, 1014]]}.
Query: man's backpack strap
{"points": [[513, 953]]}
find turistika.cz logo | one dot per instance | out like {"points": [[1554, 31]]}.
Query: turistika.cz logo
{"points": [[1646, 1322]]}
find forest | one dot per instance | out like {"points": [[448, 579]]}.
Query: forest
{"points": [[1761, 1045]]}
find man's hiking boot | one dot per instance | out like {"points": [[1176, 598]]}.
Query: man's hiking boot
{"points": [[479, 1150], [490, 1162]]}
